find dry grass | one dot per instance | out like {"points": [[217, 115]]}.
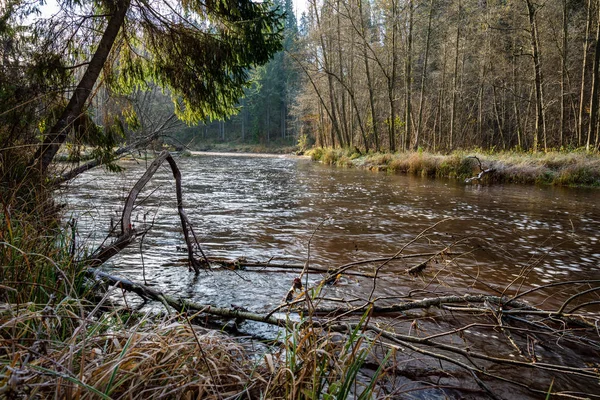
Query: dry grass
{"points": [[66, 350], [554, 168], [317, 363], [54, 352]]}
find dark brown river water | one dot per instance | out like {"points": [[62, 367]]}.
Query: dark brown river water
{"points": [[268, 208]]}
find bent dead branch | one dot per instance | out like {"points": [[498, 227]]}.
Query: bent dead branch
{"points": [[128, 233], [482, 172]]}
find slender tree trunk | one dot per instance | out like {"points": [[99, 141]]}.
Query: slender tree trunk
{"points": [[244, 116], [498, 119], [58, 133], [372, 103], [588, 30], [419, 133], [593, 126], [322, 103], [283, 114], [364, 34], [540, 123], [267, 124], [516, 105], [344, 118], [442, 98], [563, 75], [408, 79], [326, 64], [392, 77], [455, 80]]}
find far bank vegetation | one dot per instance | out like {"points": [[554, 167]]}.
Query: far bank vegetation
{"points": [[553, 168]]}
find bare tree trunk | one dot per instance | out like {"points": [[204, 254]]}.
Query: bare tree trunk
{"points": [[563, 74], [283, 114], [408, 79], [540, 123], [58, 133], [392, 77], [455, 80], [332, 99], [364, 35], [244, 116], [267, 123], [498, 119], [344, 118], [588, 29], [322, 102], [441, 101], [418, 133], [592, 128]]}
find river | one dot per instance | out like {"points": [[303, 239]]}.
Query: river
{"points": [[503, 238], [268, 207]]}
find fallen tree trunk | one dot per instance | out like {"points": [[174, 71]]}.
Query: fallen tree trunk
{"points": [[243, 264], [501, 305], [181, 305]]}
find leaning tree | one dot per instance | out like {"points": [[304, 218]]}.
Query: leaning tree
{"points": [[197, 51]]}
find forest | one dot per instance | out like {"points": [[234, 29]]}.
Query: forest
{"points": [[272, 277], [438, 75], [369, 75]]}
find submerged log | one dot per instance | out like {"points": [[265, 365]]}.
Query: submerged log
{"points": [[180, 304]]}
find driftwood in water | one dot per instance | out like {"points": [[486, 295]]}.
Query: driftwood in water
{"points": [[527, 338], [242, 263], [482, 172], [504, 305], [128, 232], [147, 292]]}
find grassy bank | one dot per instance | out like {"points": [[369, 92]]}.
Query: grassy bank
{"points": [[275, 146], [575, 168], [245, 148]]}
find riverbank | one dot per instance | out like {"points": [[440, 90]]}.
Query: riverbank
{"points": [[233, 147], [576, 168]]}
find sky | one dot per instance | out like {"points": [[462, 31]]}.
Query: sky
{"points": [[300, 6]]}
